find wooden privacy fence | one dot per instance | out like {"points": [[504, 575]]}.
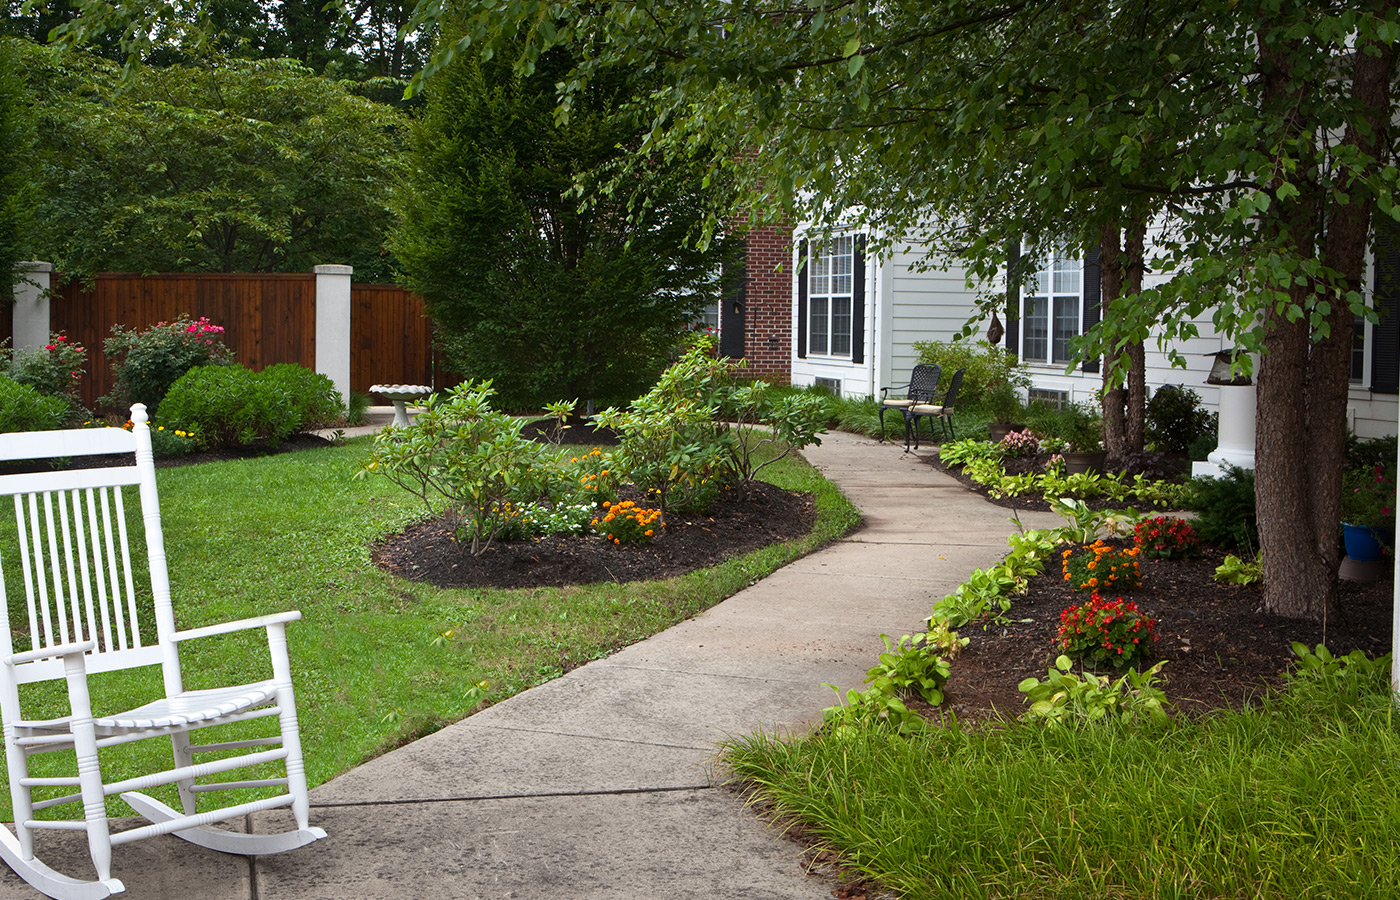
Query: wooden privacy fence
{"points": [[268, 319]]}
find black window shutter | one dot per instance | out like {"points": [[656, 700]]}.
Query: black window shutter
{"points": [[802, 300], [1385, 337], [732, 305], [858, 301], [1093, 300], [1013, 298]]}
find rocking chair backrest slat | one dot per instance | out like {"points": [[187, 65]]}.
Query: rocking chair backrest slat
{"points": [[75, 555]]}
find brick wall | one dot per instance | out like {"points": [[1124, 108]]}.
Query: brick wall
{"points": [[768, 296]]}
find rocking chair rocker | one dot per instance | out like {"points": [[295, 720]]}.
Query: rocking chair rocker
{"points": [[83, 616]]}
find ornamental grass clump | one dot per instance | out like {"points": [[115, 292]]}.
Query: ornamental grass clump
{"points": [[1100, 565], [1107, 631], [627, 523], [1165, 537]]}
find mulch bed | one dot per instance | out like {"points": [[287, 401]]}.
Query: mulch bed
{"points": [[1220, 647], [735, 524]]}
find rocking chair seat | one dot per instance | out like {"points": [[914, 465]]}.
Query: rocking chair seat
{"points": [[190, 708]]}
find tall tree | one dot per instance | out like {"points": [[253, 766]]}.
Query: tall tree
{"points": [[16, 167], [236, 165], [551, 295]]}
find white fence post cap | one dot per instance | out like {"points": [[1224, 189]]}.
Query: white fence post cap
{"points": [[333, 270]]}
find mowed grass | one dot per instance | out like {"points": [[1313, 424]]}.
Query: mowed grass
{"points": [[373, 663], [1298, 797]]}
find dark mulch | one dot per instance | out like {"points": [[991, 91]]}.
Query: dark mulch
{"points": [[580, 432], [1220, 647], [735, 524]]}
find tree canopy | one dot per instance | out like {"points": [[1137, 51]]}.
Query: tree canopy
{"points": [[232, 165]]}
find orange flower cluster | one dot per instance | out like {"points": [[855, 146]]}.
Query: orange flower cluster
{"points": [[1099, 565], [627, 523]]}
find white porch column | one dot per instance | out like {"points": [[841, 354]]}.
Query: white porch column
{"points": [[31, 310], [1235, 447], [333, 325]]}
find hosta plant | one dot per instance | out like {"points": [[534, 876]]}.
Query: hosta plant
{"points": [[1107, 631], [1065, 698], [912, 666]]}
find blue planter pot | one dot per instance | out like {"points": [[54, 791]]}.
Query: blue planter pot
{"points": [[1361, 542]]}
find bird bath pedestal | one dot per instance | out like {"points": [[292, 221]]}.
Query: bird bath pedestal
{"points": [[401, 395]]}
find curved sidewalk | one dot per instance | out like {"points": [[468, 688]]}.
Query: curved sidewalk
{"points": [[598, 784]]}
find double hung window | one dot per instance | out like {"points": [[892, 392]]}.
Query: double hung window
{"points": [[830, 295], [1051, 307]]}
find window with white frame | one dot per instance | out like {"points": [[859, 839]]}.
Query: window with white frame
{"points": [[830, 291], [1051, 307]]}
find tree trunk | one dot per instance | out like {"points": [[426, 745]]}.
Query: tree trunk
{"points": [[1302, 383], [1135, 407], [1115, 393]]}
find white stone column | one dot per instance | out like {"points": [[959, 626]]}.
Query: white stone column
{"points": [[31, 309], [333, 325], [1235, 446]]}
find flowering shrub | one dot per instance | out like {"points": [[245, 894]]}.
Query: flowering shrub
{"points": [[1107, 631], [1165, 537], [1368, 496], [147, 363], [1017, 444], [627, 523], [54, 370], [170, 443], [1099, 565]]}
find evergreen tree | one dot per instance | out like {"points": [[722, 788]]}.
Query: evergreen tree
{"points": [[548, 294]]}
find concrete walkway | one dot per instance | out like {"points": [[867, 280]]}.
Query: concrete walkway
{"points": [[599, 784]]}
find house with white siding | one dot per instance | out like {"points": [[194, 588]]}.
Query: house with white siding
{"points": [[855, 319]]}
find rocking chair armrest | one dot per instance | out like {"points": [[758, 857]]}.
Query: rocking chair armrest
{"points": [[237, 625], [77, 647]]}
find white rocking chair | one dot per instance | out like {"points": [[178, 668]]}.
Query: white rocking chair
{"points": [[82, 617]]}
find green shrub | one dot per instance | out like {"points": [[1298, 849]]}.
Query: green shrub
{"points": [[1175, 420], [670, 444], [461, 451], [1367, 454], [1224, 508], [1080, 425], [147, 363], [22, 408], [228, 406], [986, 367]]}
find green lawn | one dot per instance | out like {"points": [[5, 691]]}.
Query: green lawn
{"points": [[1298, 797], [371, 664]]}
